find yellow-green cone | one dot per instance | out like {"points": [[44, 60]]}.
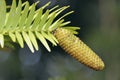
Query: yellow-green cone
{"points": [[77, 49]]}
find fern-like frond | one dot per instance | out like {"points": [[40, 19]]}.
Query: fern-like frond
{"points": [[25, 24]]}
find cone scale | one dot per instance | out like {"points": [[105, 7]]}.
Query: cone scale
{"points": [[77, 49]]}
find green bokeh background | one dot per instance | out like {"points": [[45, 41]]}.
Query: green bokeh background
{"points": [[99, 21]]}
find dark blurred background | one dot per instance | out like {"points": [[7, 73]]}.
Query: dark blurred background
{"points": [[99, 21]]}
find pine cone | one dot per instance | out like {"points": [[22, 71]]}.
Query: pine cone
{"points": [[77, 49]]}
